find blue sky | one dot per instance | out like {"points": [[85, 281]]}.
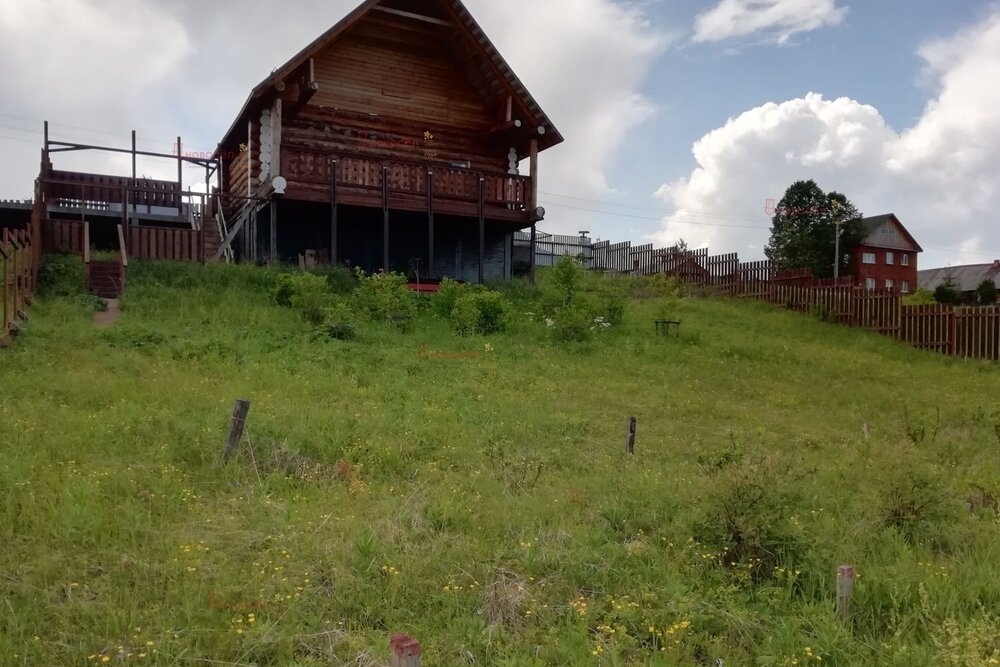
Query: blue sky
{"points": [[872, 57]]}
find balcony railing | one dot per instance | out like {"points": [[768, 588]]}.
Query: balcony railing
{"points": [[453, 185]]}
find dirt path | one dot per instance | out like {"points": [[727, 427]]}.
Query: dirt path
{"points": [[110, 316]]}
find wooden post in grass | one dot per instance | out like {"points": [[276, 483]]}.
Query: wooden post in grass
{"points": [[845, 588], [405, 651], [630, 437], [236, 425]]}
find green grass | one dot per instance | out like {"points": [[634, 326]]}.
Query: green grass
{"points": [[482, 500]]}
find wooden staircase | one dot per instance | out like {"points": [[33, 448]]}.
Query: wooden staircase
{"points": [[105, 280]]}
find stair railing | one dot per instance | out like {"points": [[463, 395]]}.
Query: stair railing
{"points": [[122, 260], [86, 255]]}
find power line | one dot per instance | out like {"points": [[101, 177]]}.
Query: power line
{"points": [[656, 219]]}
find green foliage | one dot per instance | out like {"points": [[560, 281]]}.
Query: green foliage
{"points": [[307, 293], [947, 293], [444, 301], [479, 496], [562, 282], [921, 297], [339, 279], [60, 275], [385, 297], [986, 293], [573, 323], [481, 312], [804, 228]]}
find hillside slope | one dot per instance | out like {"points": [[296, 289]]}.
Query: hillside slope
{"points": [[481, 499]]}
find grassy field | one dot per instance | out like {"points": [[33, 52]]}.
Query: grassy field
{"points": [[474, 491]]}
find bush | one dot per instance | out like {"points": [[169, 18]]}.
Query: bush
{"points": [[60, 275], [338, 323], [921, 297], [444, 301], [562, 282], [610, 297], [481, 312], [339, 279], [306, 293], [572, 324], [986, 293], [385, 297]]}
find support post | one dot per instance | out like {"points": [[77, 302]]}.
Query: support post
{"points": [[630, 435], [333, 213], [236, 425], [482, 230], [430, 223], [273, 251], [385, 218], [845, 588], [4, 249], [534, 242], [180, 170], [533, 157]]}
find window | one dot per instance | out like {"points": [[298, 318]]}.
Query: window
{"points": [[905, 259], [869, 283], [904, 287], [868, 258], [890, 258], [889, 284]]}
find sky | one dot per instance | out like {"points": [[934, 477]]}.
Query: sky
{"points": [[681, 117]]}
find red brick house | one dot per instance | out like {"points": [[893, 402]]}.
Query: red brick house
{"points": [[887, 257]]}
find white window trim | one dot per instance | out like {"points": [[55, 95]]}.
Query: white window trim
{"points": [[905, 259], [889, 284], [904, 287], [870, 283], [868, 258], [890, 258]]}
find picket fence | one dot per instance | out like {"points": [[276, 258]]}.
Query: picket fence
{"points": [[970, 333]]}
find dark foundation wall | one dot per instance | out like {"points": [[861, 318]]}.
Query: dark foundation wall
{"points": [[305, 226]]}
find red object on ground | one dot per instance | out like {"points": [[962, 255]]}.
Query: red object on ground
{"points": [[426, 288], [405, 646]]}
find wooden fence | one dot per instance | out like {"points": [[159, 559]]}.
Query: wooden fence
{"points": [[158, 243], [970, 333], [18, 275]]}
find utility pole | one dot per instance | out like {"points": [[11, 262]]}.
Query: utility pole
{"points": [[837, 222]]}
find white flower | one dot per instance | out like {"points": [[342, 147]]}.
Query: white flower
{"points": [[549, 322]]}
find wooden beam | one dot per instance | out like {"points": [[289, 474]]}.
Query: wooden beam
{"points": [[414, 16], [430, 223], [534, 242], [482, 229], [273, 251], [333, 212], [533, 199], [385, 218]]}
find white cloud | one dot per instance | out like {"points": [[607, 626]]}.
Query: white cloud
{"points": [[777, 20], [185, 67], [939, 176]]}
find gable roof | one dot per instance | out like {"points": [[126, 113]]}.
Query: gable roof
{"points": [[966, 278], [493, 67], [874, 223]]}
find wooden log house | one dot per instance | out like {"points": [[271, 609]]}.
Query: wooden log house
{"points": [[394, 142]]}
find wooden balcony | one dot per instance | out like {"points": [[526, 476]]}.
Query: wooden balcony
{"points": [[411, 186]]}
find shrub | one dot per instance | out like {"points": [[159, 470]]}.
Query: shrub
{"points": [[306, 293], [60, 275], [947, 293], [339, 279], [338, 323], [571, 324], [912, 501], [481, 312], [562, 282], [385, 297], [444, 300], [921, 297], [610, 297], [986, 293]]}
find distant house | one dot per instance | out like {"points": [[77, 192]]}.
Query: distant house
{"points": [[887, 257], [965, 278]]}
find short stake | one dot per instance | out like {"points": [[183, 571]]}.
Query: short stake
{"points": [[405, 651], [845, 588], [630, 436], [236, 426]]}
